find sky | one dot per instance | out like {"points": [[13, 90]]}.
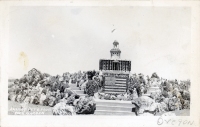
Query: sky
{"points": [[68, 39]]}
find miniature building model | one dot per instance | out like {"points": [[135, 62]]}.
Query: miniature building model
{"points": [[115, 71]]}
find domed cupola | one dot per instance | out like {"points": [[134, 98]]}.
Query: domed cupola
{"points": [[115, 51]]}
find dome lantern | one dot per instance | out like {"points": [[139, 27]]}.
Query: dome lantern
{"points": [[115, 51]]}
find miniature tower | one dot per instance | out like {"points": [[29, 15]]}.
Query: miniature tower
{"points": [[115, 51]]}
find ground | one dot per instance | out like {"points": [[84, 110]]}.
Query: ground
{"points": [[185, 112], [14, 109]]}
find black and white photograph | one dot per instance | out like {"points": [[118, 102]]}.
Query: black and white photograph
{"points": [[95, 61]]}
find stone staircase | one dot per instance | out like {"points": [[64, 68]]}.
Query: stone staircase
{"points": [[109, 107], [114, 107]]}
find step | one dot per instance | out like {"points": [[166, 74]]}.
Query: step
{"points": [[120, 79], [115, 90], [115, 87], [114, 108], [72, 84], [146, 95], [82, 94], [75, 88], [120, 89], [114, 103], [79, 91], [120, 82], [109, 92], [106, 112]]}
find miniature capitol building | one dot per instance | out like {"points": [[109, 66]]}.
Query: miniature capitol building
{"points": [[115, 71]]}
